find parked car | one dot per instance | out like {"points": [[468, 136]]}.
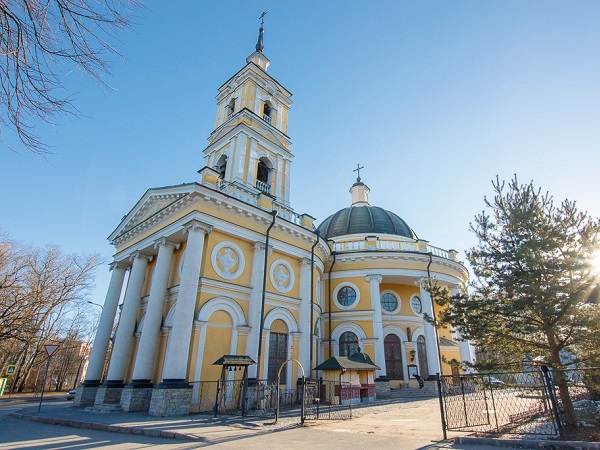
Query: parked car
{"points": [[495, 382], [71, 394]]}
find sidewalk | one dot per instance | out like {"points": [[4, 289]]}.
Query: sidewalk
{"points": [[402, 419]]}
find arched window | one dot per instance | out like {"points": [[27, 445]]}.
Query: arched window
{"points": [[278, 350], [263, 176], [348, 344], [393, 357], [422, 352]]}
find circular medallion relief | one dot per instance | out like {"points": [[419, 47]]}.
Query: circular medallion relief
{"points": [[227, 260], [282, 275]]}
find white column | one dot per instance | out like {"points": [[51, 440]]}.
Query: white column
{"points": [[431, 343], [258, 262], [464, 347], [131, 304], [183, 318], [107, 319], [144, 361], [374, 281], [304, 325]]}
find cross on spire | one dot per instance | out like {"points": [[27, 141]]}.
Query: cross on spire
{"points": [[358, 167], [262, 18]]}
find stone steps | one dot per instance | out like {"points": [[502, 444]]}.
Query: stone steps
{"points": [[105, 408], [410, 393]]}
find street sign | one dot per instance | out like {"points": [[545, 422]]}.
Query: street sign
{"points": [[51, 349], [11, 369]]}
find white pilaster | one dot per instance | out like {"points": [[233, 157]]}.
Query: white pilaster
{"points": [[258, 261], [304, 325], [131, 304], [104, 330], [200, 326], [178, 346], [279, 178], [431, 343], [374, 281], [286, 190], [144, 362], [404, 363]]}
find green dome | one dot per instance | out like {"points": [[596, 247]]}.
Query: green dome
{"points": [[363, 220]]}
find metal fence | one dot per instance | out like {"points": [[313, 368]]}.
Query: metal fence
{"points": [[240, 397], [259, 398], [523, 403], [322, 401]]}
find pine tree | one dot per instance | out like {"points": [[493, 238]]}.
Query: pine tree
{"points": [[534, 298]]}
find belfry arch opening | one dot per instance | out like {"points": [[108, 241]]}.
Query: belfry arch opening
{"points": [[268, 112], [231, 108], [221, 166], [263, 175]]}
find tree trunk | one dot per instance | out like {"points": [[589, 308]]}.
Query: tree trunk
{"points": [[561, 381]]}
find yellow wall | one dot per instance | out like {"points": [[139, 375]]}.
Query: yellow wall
{"points": [[217, 344]]}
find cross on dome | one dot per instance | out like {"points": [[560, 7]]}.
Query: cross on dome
{"points": [[358, 167]]}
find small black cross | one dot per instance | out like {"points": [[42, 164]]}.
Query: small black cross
{"points": [[358, 170], [262, 18]]}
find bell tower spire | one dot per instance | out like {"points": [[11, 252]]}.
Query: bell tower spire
{"points": [[249, 149], [260, 45], [258, 57]]}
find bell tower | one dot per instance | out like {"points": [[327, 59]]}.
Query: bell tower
{"points": [[249, 147]]}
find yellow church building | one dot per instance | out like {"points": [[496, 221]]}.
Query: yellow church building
{"points": [[225, 266]]}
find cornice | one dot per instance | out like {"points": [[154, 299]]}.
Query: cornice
{"points": [[256, 70], [363, 314], [399, 257], [236, 125], [218, 287]]}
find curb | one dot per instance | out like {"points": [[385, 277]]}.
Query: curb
{"points": [[110, 428], [520, 443]]}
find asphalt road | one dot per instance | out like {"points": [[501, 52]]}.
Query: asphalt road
{"points": [[19, 434]]}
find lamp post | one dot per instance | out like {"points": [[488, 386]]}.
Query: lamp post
{"points": [[95, 304]]}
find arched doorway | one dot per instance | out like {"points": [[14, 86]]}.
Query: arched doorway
{"points": [[278, 350], [393, 357]]}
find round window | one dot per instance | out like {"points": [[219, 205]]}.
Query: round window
{"points": [[346, 296], [415, 304], [389, 302]]}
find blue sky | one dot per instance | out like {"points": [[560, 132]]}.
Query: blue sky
{"points": [[434, 98]]}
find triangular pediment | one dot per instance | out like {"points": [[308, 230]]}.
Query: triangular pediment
{"points": [[152, 202]]}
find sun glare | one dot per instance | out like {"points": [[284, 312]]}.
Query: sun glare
{"points": [[595, 262]]}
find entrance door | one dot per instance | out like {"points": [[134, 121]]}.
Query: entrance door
{"points": [[393, 357]]}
